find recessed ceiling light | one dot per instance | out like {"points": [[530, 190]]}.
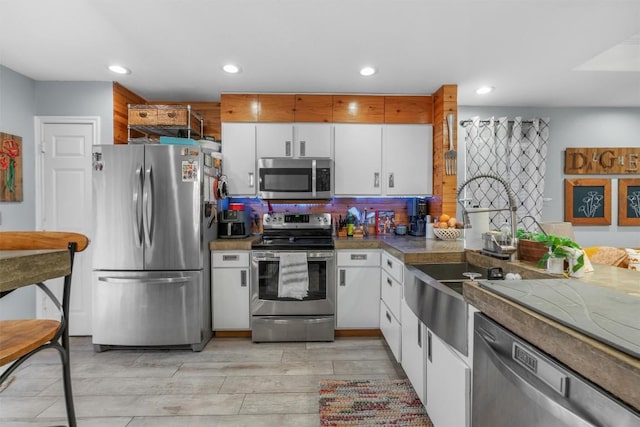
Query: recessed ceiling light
{"points": [[231, 69], [484, 90], [119, 69], [367, 71]]}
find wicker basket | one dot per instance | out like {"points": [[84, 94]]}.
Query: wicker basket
{"points": [[447, 233]]}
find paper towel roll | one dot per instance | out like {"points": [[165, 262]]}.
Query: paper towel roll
{"points": [[479, 221]]}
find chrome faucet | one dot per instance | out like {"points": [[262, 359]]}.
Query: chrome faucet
{"points": [[513, 207]]}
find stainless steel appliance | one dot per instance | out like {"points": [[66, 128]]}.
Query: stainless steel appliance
{"points": [[295, 178], [234, 224], [155, 218], [277, 318], [514, 383], [417, 211]]}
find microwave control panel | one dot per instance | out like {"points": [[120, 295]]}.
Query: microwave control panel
{"points": [[323, 179]]}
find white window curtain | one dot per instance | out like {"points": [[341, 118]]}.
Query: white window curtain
{"points": [[514, 150]]}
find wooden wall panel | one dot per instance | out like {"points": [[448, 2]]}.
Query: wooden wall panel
{"points": [[238, 107], [276, 108], [358, 109], [445, 101], [122, 97], [408, 109], [314, 108]]}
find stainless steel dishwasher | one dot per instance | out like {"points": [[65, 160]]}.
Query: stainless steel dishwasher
{"points": [[515, 384]]}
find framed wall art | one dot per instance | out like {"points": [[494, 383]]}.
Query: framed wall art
{"points": [[587, 201], [629, 201], [10, 168]]}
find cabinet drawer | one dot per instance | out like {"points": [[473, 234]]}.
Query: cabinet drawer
{"points": [[393, 266], [359, 258], [230, 259], [391, 293], [391, 330], [143, 116], [172, 117]]}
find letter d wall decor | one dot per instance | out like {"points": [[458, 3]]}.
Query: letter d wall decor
{"points": [[602, 161]]}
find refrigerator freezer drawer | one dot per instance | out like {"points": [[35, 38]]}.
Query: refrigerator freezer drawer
{"points": [[147, 308]]}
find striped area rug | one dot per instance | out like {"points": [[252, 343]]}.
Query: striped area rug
{"points": [[370, 403]]}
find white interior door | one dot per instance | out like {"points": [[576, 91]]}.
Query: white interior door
{"points": [[64, 196]]}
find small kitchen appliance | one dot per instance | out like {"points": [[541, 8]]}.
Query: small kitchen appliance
{"points": [[417, 211], [275, 317], [234, 224], [303, 178]]}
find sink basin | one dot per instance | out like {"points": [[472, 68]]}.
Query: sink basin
{"points": [[451, 271]]}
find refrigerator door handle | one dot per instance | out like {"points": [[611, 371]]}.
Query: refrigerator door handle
{"points": [[148, 206], [160, 281], [137, 206]]}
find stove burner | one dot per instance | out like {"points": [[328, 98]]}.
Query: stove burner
{"points": [[295, 232]]}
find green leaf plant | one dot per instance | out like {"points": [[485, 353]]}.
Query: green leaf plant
{"points": [[558, 247]]}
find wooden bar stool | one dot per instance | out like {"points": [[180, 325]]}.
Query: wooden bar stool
{"points": [[21, 339]]}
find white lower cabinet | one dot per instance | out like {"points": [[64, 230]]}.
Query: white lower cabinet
{"points": [[391, 331], [448, 385], [414, 343], [230, 290], [358, 279]]}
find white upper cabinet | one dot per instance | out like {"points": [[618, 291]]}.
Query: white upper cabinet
{"points": [[239, 157], [407, 160], [300, 140], [358, 159]]}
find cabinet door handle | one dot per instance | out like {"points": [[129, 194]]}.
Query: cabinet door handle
{"points": [[376, 179], [287, 148], [429, 345], [303, 151], [389, 282], [388, 316], [419, 333], [251, 179], [391, 180], [343, 278], [243, 278], [389, 263]]}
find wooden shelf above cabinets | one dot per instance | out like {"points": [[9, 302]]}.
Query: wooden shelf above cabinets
{"points": [[312, 108]]}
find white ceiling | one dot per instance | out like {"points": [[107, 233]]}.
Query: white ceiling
{"points": [[535, 52]]}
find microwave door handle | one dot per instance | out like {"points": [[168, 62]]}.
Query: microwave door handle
{"points": [[314, 178]]}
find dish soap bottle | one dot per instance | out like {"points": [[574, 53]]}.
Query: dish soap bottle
{"points": [[350, 225]]}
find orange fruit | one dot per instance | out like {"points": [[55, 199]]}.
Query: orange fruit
{"points": [[444, 218]]}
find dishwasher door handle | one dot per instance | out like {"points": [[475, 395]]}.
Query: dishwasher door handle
{"points": [[567, 412]]}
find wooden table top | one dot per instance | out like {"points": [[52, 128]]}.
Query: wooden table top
{"points": [[22, 268]]}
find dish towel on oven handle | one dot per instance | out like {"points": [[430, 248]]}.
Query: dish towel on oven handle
{"points": [[293, 278]]}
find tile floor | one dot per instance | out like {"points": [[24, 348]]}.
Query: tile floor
{"points": [[232, 382]]}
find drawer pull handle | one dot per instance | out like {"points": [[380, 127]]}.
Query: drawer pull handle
{"points": [[389, 282], [388, 316], [389, 263], [172, 115], [230, 257], [358, 257], [142, 114]]}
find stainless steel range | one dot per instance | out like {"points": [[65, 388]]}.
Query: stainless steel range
{"points": [[293, 288]]}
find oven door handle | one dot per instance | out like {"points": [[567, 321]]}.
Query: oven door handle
{"points": [[274, 256], [566, 412]]}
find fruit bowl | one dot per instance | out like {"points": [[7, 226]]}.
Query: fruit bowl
{"points": [[447, 233]]}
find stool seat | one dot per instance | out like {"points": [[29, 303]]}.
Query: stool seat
{"points": [[19, 337]]}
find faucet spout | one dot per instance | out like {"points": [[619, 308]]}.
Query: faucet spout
{"points": [[513, 207]]}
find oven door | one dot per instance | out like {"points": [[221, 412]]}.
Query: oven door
{"points": [[264, 285]]}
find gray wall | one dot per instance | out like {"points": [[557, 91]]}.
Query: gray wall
{"points": [[21, 99], [575, 127]]}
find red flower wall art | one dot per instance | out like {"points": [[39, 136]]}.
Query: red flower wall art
{"points": [[10, 168]]}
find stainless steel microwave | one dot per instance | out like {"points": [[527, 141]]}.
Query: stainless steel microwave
{"points": [[295, 178]]}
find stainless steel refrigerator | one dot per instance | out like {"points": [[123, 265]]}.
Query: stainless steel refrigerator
{"points": [[154, 218]]}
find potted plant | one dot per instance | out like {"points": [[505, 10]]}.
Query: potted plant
{"points": [[557, 248]]}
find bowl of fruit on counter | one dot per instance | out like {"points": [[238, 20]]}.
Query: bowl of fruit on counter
{"points": [[447, 228]]}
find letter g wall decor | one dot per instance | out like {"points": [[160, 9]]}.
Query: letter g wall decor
{"points": [[601, 161]]}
